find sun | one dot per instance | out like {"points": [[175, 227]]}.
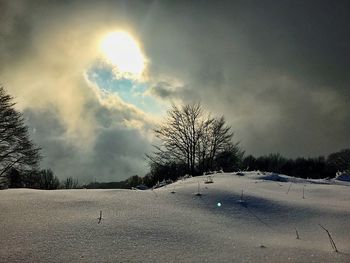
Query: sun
{"points": [[122, 51]]}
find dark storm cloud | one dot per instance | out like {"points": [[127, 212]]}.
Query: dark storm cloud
{"points": [[120, 151], [163, 90], [277, 70], [168, 90], [117, 153], [14, 30]]}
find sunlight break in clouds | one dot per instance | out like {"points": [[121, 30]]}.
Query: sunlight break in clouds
{"points": [[122, 51], [82, 130]]}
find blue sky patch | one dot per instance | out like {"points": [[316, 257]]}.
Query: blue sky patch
{"points": [[128, 90]]}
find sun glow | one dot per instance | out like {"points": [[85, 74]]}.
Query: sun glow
{"points": [[122, 51]]}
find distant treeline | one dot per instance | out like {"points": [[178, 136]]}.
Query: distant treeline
{"points": [[315, 168], [230, 161], [42, 179], [132, 181]]}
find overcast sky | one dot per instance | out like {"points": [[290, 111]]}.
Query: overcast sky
{"points": [[277, 70]]}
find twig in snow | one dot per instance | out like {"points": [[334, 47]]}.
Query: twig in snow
{"points": [[330, 238], [209, 180], [297, 233], [241, 198], [198, 193], [100, 217], [173, 191], [304, 192], [289, 188]]}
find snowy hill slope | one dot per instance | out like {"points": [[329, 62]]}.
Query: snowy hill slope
{"points": [[221, 225]]}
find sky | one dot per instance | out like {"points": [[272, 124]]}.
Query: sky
{"points": [[277, 70]]}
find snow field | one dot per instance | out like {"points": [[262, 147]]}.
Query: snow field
{"points": [[160, 226]]}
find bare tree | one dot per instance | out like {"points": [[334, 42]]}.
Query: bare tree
{"points": [[71, 183], [16, 149], [218, 139], [179, 136], [47, 180], [189, 135], [204, 145]]}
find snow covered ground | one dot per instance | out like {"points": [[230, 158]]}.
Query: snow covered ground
{"points": [[221, 225]]}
